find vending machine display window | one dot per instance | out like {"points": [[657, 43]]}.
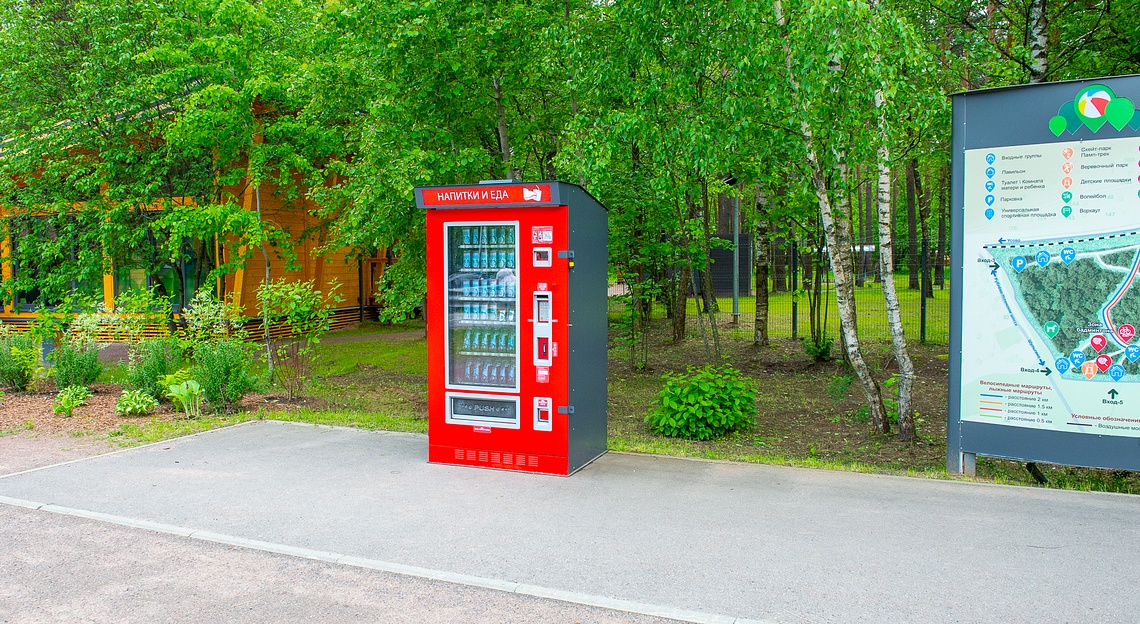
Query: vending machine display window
{"points": [[482, 305]]}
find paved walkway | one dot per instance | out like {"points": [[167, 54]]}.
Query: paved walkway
{"points": [[703, 541]]}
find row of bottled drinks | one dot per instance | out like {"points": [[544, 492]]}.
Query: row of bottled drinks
{"points": [[489, 259], [488, 312], [489, 341], [489, 287], [488, 235], [486, 371]]}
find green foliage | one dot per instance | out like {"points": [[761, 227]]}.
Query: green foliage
{"points": [[306, 312], [19, 359], [75, 363], [173, 379], [207, 318], [150, 361], [187, 396], [135, 403], [819, 351], [704, 403], [223, 369], [70, 398], [838, 387]]}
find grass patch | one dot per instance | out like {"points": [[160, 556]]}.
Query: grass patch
{"points": [[146, 431], [372, 421]]}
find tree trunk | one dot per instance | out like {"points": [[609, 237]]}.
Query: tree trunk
{"points": [[886, 266], [760, 332], [834, 232], [513, 172], [1038, 42], [940, 254], [680, 300], [912, 264], [708, 294], [923, 196]]}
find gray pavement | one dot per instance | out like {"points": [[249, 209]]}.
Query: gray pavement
{"points": [[735, 540]]}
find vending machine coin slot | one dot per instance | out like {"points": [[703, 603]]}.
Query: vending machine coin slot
{"points": [[542, 328], [543, 257], [542, 414]]}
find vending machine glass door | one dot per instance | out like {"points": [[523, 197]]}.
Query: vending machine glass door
{"points": [[482, 306]]}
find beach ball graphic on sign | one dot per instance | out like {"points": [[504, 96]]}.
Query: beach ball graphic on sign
{"points": [[1092, 103]]}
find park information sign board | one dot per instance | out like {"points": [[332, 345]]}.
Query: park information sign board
{"points": [[1045, 357]]}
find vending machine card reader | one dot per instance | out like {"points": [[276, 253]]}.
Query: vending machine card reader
{"points": [[491, 353]]}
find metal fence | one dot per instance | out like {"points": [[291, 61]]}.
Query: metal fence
{"points": [[924, 320]]}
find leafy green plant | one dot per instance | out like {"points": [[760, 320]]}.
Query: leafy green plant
{"points": [[150, 361], [820, 351], [838, 387], [890, 401], [187, 396], [173, 379], [135, 403], [207, 318], [76, 362], [307, 313], [704, 403], [223, 369], [70, 398]]}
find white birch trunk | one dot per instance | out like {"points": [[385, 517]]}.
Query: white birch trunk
{"points": [[1038, 42], [886, 267], [834, 228]]}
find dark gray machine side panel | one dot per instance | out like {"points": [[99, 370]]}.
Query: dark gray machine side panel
{"points": [[589, 328], [994, 118]]}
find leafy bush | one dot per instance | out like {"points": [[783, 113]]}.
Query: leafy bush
{"points": [[70, 398], [223, 369], [704, 403], [819, 351], [76, 363], [307, 313], [19, 359], [150, 361], [135, 403], [187, 397], [207, 318]]}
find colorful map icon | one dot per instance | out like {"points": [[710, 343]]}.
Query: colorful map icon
{"points": [[1062, 365], [1089, 369], [1043, 258], [990, 171], [1066, 196], [1098, 342], [1018, 263], [1067, 167], [990, 158], [990, 186], [1051, 328], [1116, 372], [1068, 254], [1132, 352], [989, 200], [1067, 153], [1103, 362], [989, 213], [1126, 332], [1077, 357], [1066, 211]]}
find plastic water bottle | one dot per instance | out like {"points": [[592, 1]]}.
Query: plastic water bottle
{"points": [[467, 340], [485, 375], [511, 375], [466, 236], [511, 343], [467, 372]]}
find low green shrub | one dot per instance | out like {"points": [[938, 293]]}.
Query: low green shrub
{"points": [[178, 377], [222, 367], [704, 403], [69, 398], [135, 403], [820, 351], [76, 363], [150, 361], [19, 359]]}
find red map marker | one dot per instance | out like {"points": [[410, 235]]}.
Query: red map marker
{"points": [[1103, 362], [1126, 332], [1098, 342]]}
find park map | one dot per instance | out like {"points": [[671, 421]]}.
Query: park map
{"points": [[1051, 301]]}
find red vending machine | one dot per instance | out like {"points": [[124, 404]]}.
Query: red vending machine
{"points": [[516, 321]]}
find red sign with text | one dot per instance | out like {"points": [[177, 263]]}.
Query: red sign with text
{"points": [[488, 194]]}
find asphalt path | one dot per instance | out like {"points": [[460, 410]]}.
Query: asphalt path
{"points": [[705, 541]]}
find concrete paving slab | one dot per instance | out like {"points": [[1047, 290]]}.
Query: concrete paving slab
{"points": [[762, 542]]}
